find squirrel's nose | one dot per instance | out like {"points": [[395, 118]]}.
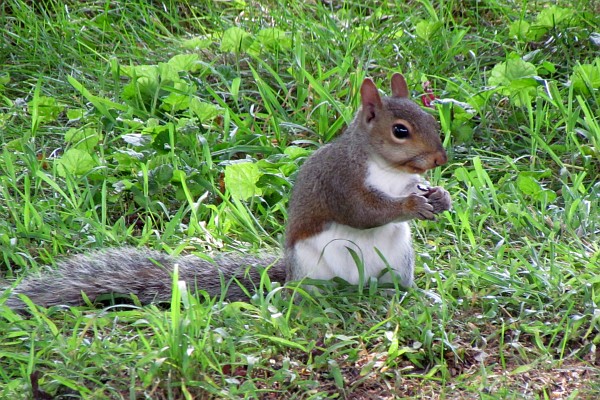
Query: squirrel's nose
{"points": [[440, 158]]}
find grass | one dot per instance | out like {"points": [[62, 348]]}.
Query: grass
{"points": [[180, 126]]}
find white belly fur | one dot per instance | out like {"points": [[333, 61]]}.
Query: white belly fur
{"points": [[326, 255]]}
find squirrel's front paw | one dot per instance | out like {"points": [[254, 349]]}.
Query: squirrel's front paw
{"points": [[419, 207], [439, 198]]}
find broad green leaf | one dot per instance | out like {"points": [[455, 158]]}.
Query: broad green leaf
{"points": [[516, 78], [586, 77], [203, 110], [149, 71], [362, 33], [514, 68], [179, 97], [83, 139], [4, 78], [15, 144], [235, 40], [549, 196], [519, 29], [175, 102], [161, 140], [144, 80], [168, 73], [234, 89], [48, 108], [425, 29], [178, 176], [536, 32], [554, 16], [162, 174], [547, 68], [523, 83], [185, 62], [528, 185], [295, 152], [75, 113], [462, 131], [75, 162], [197, 43], [549, 18], [127, 157], [273, 38], [241, 179]]}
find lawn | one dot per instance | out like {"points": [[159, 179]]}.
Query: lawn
{"points": [[180, 126]]}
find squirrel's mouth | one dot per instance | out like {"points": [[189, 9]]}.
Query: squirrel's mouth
{"points": [[419, 171], [420, 165], [415, 167], [412, 169]]}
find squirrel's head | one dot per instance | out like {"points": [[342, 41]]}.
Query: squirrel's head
{"points": [[398, 130]]}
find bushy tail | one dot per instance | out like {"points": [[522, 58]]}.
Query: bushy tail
{"points": [[144, 273]]}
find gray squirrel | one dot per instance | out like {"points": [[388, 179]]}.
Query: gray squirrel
{"points": [[358, 193]]}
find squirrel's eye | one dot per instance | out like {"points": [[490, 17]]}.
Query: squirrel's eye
{"points": [[400, 131]]}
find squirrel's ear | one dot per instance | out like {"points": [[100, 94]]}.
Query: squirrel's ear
{"points": [[370, 99], [399, 86]]}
